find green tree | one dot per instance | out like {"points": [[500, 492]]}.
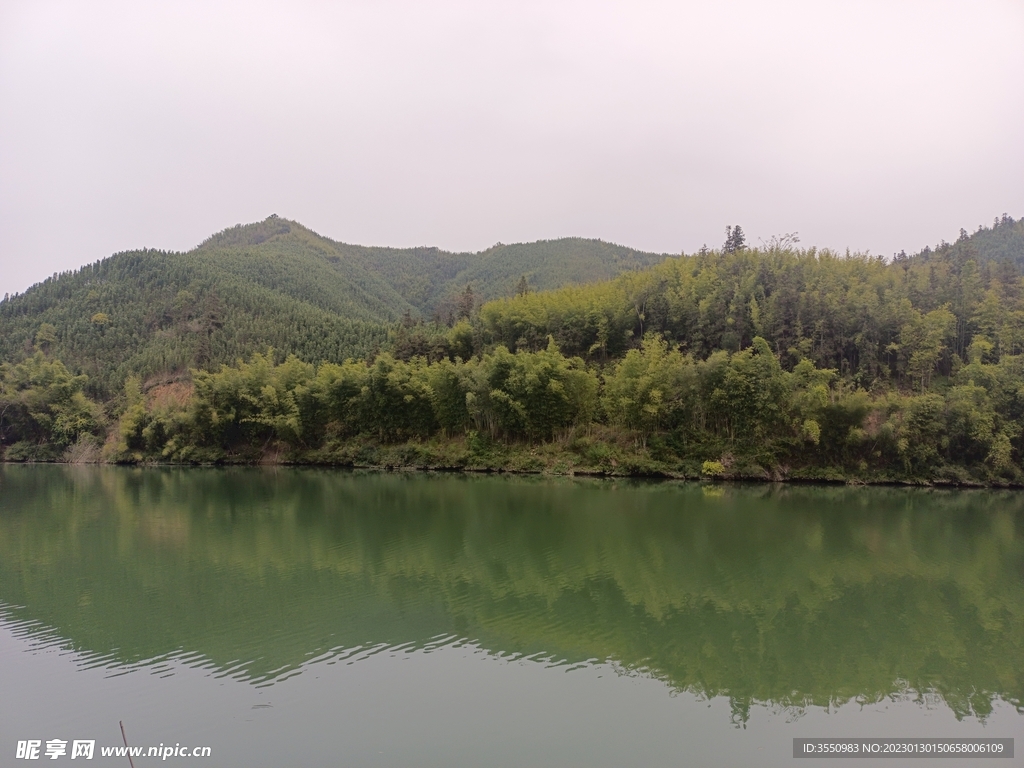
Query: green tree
{"points": [[646, 391], [735, 240]]}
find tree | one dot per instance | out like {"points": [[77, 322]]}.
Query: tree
{"points": [[750, 396], [735, 240], [924, 339], [530, 395], [784, 242], [42, 403], [466, 303], [644, 391], [46, 337]]}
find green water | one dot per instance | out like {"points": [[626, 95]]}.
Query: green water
{"points": [[306, 617]]}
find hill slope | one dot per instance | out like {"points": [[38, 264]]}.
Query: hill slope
{"points": [[429, 278], [285, 257], [857, 314], [272, 283], [142, 312], [763, 363]]}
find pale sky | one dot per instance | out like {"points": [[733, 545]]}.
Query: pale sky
{"points": [[874, 126]]}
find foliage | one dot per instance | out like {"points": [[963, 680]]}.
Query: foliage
{"points": [[43, 407], [772, 362], [148, 313], [433, 281], [277, 284], [650, 389]]}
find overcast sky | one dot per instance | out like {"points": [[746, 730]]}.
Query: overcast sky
{"points": [[877, 126]]}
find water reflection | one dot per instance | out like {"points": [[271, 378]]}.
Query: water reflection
{"points": [[786, 596]]}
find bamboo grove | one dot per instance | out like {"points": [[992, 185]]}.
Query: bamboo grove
{"points": [[771, 362]]}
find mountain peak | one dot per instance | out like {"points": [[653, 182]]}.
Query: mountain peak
{"points": [[250, 234]]}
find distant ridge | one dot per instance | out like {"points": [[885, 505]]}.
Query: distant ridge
{"points": [[428, 277]]}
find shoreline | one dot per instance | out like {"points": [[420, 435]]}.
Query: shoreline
{"points": [[662, 475]]}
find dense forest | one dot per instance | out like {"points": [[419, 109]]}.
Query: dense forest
{"points": [[771, 362], [271, 284]]}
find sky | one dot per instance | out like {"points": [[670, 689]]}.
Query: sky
{"points": [[873, 126]]}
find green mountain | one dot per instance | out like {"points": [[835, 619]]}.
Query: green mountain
{"points": [[742, 362], [143, 312], [430, 279], [1002, 242], [421, 280], [861, 315], [273, 283]]}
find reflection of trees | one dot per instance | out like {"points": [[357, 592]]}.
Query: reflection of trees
{"points": [[791, 596]]}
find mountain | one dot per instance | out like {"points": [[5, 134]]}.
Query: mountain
{"points": [[423, 279], [1002, 242], [430, 279], [145, 312], [857, 314], [743, 362], [272, 283]]}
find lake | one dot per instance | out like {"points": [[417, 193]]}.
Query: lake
{"points": [[289, 617]]}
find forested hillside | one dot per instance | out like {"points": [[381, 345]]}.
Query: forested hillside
{"points": [[740, 362], [902, 321], [151, 312], [433, 280], [270, 284]]}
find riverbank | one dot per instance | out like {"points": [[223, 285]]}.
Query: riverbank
{"points": [[588, 455]]}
